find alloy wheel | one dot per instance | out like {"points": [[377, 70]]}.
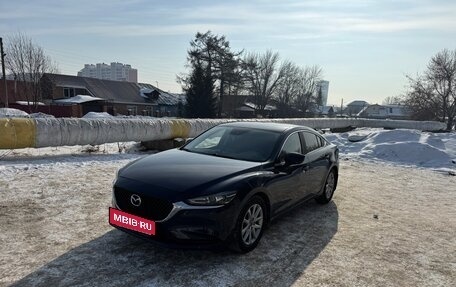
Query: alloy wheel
{"points": [[329, 187], [252, 224]]}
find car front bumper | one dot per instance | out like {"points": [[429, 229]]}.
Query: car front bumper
{"points": [[189, 226]]}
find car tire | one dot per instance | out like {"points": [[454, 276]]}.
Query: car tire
{"points": [[249, 225], [328, 189]]}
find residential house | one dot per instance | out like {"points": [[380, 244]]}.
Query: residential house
{"points": [[167, 104], [325, 111], [231, 104], [353, 108], [376, 111], [117, 97], [250, 110]]}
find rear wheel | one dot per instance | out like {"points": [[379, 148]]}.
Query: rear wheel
{"points": [[250, 225], [328, 188]]}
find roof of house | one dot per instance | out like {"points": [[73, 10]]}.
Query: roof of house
{"points": [[31, 103], [266, 108], [358, 103], [79, 99], [117, 91], [325, 110], [165, 98]]}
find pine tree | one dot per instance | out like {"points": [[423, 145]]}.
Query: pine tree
{"points": [[201, 102]]}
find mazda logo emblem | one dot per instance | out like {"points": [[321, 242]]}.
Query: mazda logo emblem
{"points": [[135, 200]]}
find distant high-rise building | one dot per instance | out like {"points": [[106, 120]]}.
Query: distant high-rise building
{"points": [[324, 86], [114, 72]]}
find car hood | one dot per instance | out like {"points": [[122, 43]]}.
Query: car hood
{"points": [[179, 171]]}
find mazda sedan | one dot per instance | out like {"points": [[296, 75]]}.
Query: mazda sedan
{"points": [[224, 186]]}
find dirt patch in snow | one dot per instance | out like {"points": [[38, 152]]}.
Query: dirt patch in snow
{"points": [[387, 226]]}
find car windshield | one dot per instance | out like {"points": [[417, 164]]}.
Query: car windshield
{"points": [[237, 143]]}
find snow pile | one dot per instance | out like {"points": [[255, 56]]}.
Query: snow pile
{"points": [[401, 147], [41, 115], [78, 99], [10, 113], [95, 115]]}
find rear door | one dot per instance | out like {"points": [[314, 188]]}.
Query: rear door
{"points": [[317, 161]]}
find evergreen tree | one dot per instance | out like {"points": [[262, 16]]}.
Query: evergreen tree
{"points": [[199, 90], [214, 52]]}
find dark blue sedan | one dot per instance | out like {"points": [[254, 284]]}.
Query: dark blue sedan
{"points": [[224, 186]]}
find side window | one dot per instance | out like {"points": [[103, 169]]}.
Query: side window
{"points": [[293, 144], [322, 141], [312, 142]]}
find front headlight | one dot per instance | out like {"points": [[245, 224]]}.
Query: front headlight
{"points": [[214, 199]]}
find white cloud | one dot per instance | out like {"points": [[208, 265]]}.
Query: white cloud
{"points": [[286, 19]]}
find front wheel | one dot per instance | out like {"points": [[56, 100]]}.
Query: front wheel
{"points": [[328, 188], [250, 225]]}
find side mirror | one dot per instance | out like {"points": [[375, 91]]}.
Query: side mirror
{"points": [[188, 140], [293, 158], [289, 159]]}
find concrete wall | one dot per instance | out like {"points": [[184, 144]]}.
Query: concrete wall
{"points": [[46, 132]]}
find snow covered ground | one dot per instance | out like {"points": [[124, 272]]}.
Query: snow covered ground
{"points": [[391, 223], [402, 147]]}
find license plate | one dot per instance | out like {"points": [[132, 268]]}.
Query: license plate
{"points": [[130, 221]]}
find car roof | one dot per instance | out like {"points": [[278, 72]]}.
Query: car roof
{"points": [[277, 127]]}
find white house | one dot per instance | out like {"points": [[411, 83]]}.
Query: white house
{"points": [[385, 112], [355, 107]]}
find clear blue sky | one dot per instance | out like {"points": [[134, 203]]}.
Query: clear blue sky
{"points": [[364, 47]]}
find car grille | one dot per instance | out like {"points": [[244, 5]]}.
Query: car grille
{"points": [[150, 208]]}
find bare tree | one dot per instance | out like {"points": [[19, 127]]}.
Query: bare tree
{"points": [[421, 101], [287, 89], [262, 76], [308, 82], [433, 94], [27, 62], [393, 100]]}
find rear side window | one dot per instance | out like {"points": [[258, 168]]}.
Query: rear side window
{"points": [[312, 142], [292, 144], [322, 141]]}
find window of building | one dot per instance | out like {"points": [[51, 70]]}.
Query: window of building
{"points": [[68, 92], [132, 110]]}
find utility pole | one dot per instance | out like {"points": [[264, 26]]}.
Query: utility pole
{"points": [[3, 71]]}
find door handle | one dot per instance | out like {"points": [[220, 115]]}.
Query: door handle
{"points": [[305, 168]]}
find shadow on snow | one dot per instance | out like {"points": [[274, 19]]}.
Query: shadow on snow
{"points": [[288, 246]]}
